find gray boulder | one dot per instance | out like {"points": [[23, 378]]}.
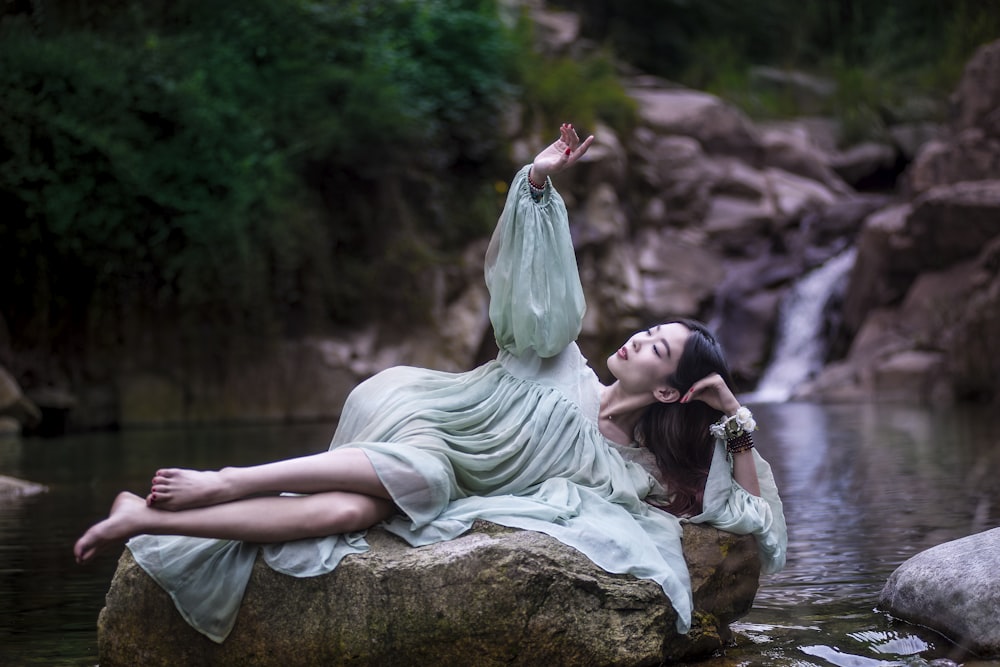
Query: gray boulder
{"points": [[953, 589], [970, 149], [494, 596], [951, 223], [719, 127]]}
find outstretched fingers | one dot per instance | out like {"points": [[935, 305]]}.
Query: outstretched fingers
{"points": [[567, 133], [578, 152], [575, 149], [561, 153]]}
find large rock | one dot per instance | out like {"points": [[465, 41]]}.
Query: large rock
{"points": [[950, 223], [972, 151], [970, 155], [791, 147], [719, 127], [494, 596], [679, 274], [973, 346], [952, 588], [976, 101], [884, 267], [941, 343]]}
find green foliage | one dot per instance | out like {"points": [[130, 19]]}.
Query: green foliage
{"points": [[241, 165], [880, 53], [585, 89]]}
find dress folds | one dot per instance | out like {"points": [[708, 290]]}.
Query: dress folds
{"points": [[515, 442]]}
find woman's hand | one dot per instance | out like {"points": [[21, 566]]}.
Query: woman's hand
{"points": [[713, 391], [562, 153]]}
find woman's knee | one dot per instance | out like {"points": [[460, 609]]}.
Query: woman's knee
{"points": [[347, 512]]}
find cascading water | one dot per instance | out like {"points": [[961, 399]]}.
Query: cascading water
{"points": [[800, 346]]}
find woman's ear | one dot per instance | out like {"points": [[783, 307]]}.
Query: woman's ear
{"points": [[666, 394]]}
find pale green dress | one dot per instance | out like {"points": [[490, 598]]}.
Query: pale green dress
{"points": [[515, 442]]}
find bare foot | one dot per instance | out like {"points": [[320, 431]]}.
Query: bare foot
{"points": [[122, 522], [180, 489]]}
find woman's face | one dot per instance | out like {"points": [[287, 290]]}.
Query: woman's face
{"points": [[649, 357]]}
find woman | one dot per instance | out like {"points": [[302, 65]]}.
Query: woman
{"points": [[531, 440]]}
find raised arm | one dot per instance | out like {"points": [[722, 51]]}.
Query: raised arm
{"points": [[714, 391], [747, 501], [536, 300]]}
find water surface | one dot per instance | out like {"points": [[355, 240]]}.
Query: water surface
{"points": [[865, 487]]}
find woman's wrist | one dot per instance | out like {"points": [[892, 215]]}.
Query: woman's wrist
{"points": [[730, 426], [535, 179], [741, 444], [731, 409], [536, 187], [735, 429]]}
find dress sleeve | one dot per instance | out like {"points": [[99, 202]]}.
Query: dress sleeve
{"points": [[730, 507], [536, 299]]}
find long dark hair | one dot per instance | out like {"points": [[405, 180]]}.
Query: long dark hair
{"points": [[677, 433]]}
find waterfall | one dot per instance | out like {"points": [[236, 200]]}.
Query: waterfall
{"points": [[800, 346]]}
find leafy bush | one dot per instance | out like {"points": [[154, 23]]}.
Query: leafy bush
{"points": [[240, 165], [583, 89]]}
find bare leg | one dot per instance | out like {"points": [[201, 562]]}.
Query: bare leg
{"points": [[346, 469], [266, 519]]}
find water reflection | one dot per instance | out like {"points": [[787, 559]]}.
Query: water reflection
{"points": [[49, 604], [865, 487]]}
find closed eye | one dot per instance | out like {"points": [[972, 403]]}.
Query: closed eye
{"points": [[649, 333]]}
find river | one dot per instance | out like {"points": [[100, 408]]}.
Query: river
{"points": [[864, 486]]}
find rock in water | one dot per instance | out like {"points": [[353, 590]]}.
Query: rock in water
{"points": [[494, 596], [952, 588], [11, 487]]}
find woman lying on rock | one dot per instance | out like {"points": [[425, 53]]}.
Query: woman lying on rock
{"points": [[531, 440]]}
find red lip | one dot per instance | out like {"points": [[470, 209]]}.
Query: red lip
{"points": [[623, 353]]}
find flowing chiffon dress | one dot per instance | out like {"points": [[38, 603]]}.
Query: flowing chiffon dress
{"points": [[515, 442]]}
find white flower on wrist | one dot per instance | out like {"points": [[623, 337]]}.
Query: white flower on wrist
{"points": [[745, 419], [740, 422]]}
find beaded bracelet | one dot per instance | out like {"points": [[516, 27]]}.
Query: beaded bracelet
{"points": [[535, 189], [740, 443], [735, 430]]}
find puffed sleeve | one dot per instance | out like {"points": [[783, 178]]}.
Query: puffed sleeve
{"points": [[536, 299], [730, 507]]}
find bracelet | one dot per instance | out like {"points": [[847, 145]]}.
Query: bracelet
{"points": [[734, 425], [740, 443], [535, 187]]}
